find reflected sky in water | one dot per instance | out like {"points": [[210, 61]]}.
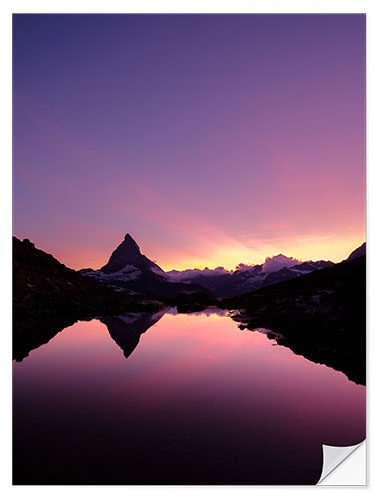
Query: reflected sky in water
{"points": [[198, 401]]}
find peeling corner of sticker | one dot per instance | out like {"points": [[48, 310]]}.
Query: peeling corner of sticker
{"points": [[344, 465]]}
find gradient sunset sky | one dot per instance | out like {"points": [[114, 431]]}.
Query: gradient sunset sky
{"points": [[211, 139]]}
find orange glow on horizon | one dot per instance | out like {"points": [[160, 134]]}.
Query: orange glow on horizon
{"points": [[226, 255], [229, 258]]}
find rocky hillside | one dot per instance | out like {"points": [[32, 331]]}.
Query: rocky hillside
{"points": [[358, 252], [42, 285]]}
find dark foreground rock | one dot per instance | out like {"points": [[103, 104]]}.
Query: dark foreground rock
{"points": [[42, 285]]}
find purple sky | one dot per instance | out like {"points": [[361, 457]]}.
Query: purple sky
{"points": [[212, 139]]}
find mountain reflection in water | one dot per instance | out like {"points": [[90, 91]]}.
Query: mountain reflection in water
{"points": [[127, 329], [198, 402]]}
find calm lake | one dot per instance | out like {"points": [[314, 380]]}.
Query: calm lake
{"points": [[167, 398]]}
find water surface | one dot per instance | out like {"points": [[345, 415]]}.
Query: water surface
{"points": [[176, 399]]}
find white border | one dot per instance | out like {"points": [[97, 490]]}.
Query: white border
{"points": [[159, 6]]}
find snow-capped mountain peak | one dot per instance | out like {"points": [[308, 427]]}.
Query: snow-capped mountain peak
{"points": [[277, 262], [128, 269], [128, 252]]}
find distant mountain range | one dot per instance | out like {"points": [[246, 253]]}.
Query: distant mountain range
{"points": [[245, 279], [129, 270]]}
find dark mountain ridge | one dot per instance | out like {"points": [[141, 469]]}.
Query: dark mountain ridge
{"points": [[41, 284], [358, 252]]}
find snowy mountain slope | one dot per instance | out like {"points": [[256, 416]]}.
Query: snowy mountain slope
{"points": [[224, 283], [129, 270]]}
